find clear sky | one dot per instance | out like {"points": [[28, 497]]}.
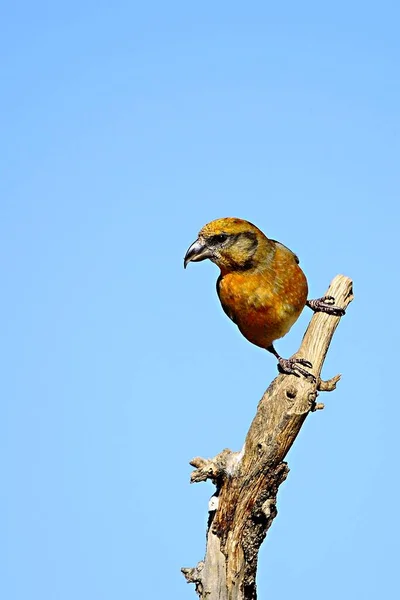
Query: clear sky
{"points": [[125, 127]]}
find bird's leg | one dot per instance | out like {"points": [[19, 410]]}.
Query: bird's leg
{"points": [[326, 304], [290, 366]]}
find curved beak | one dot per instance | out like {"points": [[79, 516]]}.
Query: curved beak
{"points": [[198, 251]]}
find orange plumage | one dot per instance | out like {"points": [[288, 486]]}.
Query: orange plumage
{"points": [[261, 286]]}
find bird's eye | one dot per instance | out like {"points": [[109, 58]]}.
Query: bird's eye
{"points": [[218, 239]]}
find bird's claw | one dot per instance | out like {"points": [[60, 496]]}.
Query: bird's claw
{"points": [[326, 304], [290, 366]]}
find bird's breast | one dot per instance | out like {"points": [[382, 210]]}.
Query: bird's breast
{"points": [[264, 304]]}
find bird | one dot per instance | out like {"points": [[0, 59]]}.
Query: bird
{"points": [[261, 285]]}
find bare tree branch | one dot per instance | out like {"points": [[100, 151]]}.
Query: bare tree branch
{"points": [[247, 482]]}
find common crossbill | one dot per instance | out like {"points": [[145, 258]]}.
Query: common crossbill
{"points": [[261, 286]]}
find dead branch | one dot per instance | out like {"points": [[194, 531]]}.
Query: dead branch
{"points": [[247, 482]]}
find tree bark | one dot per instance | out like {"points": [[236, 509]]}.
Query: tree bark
{"points": [[247, 482]]}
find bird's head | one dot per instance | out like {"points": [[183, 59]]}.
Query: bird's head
{"points": [[232, 244]]}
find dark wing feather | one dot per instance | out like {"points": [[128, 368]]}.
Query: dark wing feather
{"points": [[286, 248]]}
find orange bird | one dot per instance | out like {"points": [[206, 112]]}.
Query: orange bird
{"points": [[261, 286]]}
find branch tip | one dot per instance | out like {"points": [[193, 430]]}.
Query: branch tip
{"points": [[329, 385], [210, 468], [318, 406], [192, 575], [197, 462]]}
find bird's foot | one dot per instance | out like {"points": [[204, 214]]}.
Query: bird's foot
{"points": [[290, 366], [327, 305]]}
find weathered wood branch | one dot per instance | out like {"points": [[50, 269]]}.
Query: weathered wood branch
{"points": [[247, 482]]}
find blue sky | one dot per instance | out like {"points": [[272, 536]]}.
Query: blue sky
{"points": [[124, 129]]}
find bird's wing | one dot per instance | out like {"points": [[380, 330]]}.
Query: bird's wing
{"points": [[286, 248]]}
